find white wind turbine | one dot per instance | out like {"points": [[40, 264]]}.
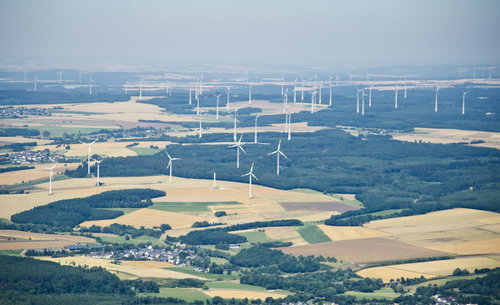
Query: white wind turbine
{"points": [[227, 104], [217, 107], [255, 132], [295, 91], [396, 98], [190, 98], [357, 100], [370, 96], [250, 174], [282, 85], [319, 89], [249, 93], [289, 125], [36, 82], [50, 178], [89, 151], [126, 87], [436, 100], [98, 165], [302, 90], [140, 89], [238, 147], [199, 133], [285, 100], [215, 181], [234, 129], [170, 164], [463, 102], [278, 152], [363, 102], [330, 82], [90, 84], [198, 104]]}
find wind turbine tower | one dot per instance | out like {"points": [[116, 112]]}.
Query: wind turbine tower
{"points": [[405, 90], [98, 164], [90, 84], [50, 178], [278, 152], [463, 102], [190, 98], [357, 100], [250, 174], [250, 94], [170, 164], [436, 100], [289, 125], [217, 107], [396, 98], [295, 91], [36, 82], [227, 104], [60, 77], [199, 134], [215, 181], [255, 136], [330, 82], [89, 151], [370, 97], [238, 147], [234, 129], [363, 102]]}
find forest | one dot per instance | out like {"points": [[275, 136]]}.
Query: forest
{"points": [[383, 173], [65, 214]]}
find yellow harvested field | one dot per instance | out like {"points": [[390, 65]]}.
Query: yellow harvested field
{"points": [[38, 240], [436, 135], [241, 294], [10, 140], [431, 222], [127, 269], [486, 246], [388, 273], [345, 233], [430, 269], [285, 234], [150, 218], [494, 228], [39, 172]]}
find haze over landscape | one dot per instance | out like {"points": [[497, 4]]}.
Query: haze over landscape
{"points": [[259, 152]]}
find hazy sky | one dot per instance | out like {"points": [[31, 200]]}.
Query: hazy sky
{"points": [[341, 33]]}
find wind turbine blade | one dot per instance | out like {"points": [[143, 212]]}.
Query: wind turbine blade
{"points": [[169, 164], [239, 146], [246, 174], [251, 168], [283, 155], [272, 153], [255, 177], [239, 141], [93, 142], [168, 155]]}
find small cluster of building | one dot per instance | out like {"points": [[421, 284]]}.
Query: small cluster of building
{"points": [[13, 112], [35, 156], [178, 257]]}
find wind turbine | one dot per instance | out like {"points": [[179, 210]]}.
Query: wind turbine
{"points": [[140, 89], [436, 100], [463, 102], [313, 99], [217, 106], [289, 126], [90, 84], [234, 130], [190, 98], [357, 100], [98, 164], [249, 93], [295, 91], [126, 87], [370, 97], [250, 174], [282, 85], [363, 102], [198, 104], [238, 147], [319, 89], [330, 82], [89, 151], [50, 178], [199, 134], [285, 100], [255, 136], [396, 98], [302, 90], [227, 104], [278, 152], [170, 164], [215, 181], [36, 82], [60, 77]]}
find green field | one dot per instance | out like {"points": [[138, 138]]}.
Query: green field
{"points": [[144, 151], [187, 206], [11, 252], [312, 234], [255, 237], [45, 180], [211, 276], [234, 285], [187, 294], [384, 293], [443, 281]]}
